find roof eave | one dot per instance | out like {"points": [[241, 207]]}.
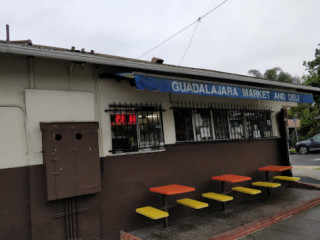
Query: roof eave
{"points": [[68, 55]]}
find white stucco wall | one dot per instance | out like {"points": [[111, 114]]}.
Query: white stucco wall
{"points": [[13, 80], [54, 106], [13, 139], [66, 92]]}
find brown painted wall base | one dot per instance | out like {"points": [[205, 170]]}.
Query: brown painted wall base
{"points": [[26, 214], [14, 204]]}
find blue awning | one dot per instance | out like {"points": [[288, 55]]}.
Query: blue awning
{"points": [[217, 90]]}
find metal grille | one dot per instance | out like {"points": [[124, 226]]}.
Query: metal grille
{"points": [[198, 122], [136, 127]]}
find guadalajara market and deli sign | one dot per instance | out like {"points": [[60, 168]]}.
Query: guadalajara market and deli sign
{"points": [[217, 90]]}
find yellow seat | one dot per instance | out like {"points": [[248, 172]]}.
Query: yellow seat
{"points": [[286, 178], [152, 212], [192, 203], [266, 184], [217, 197], [245, 190]]}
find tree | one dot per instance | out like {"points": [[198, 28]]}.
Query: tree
{"points": [[313, 77], [275, 74], [255, 73], [272, 74], [305, 112]]}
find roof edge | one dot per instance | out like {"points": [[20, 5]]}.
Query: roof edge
{"points": [[65, 54]]}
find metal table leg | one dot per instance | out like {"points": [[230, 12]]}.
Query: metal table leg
{"points": [[165, 207], [222, 187], [268, 189], [267, 176], [222, 191]]}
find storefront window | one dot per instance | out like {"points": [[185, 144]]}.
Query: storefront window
{"points": [[258, 124], [149, 128], [214, 124], [193, 125], [183, 125], [236, 124], [202, 124], [221, 126], [136, 128]]}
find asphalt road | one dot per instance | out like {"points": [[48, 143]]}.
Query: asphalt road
{"points": [[311, 159]]}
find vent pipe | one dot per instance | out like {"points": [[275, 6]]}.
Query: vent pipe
{"points": [[8, 33]]}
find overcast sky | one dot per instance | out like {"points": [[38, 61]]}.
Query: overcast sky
{"points": [[238, 36]]}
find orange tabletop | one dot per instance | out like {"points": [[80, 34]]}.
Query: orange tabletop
{"points": [[172, 189], [231, 178], [275, 168]]}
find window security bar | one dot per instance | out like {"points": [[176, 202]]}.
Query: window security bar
{"points": [[134, 107], [200, 122], [136, 127]]}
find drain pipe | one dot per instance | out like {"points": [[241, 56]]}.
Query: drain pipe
{"points": [[97, 105], [70, 75], [31, 73]]}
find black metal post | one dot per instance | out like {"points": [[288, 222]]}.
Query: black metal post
{"points": [[267, 176], [268, 189], [165, 207], [222, 191], [224, 206], [222, 186]]}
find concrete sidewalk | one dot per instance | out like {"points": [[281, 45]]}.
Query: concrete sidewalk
{"points": [[239, 220], [303, 226], [308, 174]]}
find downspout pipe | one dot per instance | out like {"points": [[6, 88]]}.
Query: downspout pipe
{"points": [[70, 75], [31, 73]]}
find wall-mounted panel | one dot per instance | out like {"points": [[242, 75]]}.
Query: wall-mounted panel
{"points": [[71, 157]]}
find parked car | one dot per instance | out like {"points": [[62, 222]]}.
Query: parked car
{"points": [[311, 144]]}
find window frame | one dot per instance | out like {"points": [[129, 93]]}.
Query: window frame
{"points": [[231, 123], [140, 111]]}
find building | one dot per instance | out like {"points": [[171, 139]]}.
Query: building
{"points": [[84, 136]]}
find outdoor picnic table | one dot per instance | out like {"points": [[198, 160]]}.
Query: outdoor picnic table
{"points": [[230, 178], [274, 168], [167, 190]]}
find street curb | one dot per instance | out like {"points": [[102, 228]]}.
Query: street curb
{"points": [[127, 236], [262, 223], [305, 185]]}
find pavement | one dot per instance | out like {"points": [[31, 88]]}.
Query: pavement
{"points": [[303, 226], [307, 167], [308, 174], [291, 212]]}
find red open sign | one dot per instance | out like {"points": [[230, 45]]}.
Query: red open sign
{"points": [[132, 119], [120, 119], [124, 119]]}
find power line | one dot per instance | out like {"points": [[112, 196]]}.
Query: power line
{"points": [[167, 39], [194, 31], [183, 29]]}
